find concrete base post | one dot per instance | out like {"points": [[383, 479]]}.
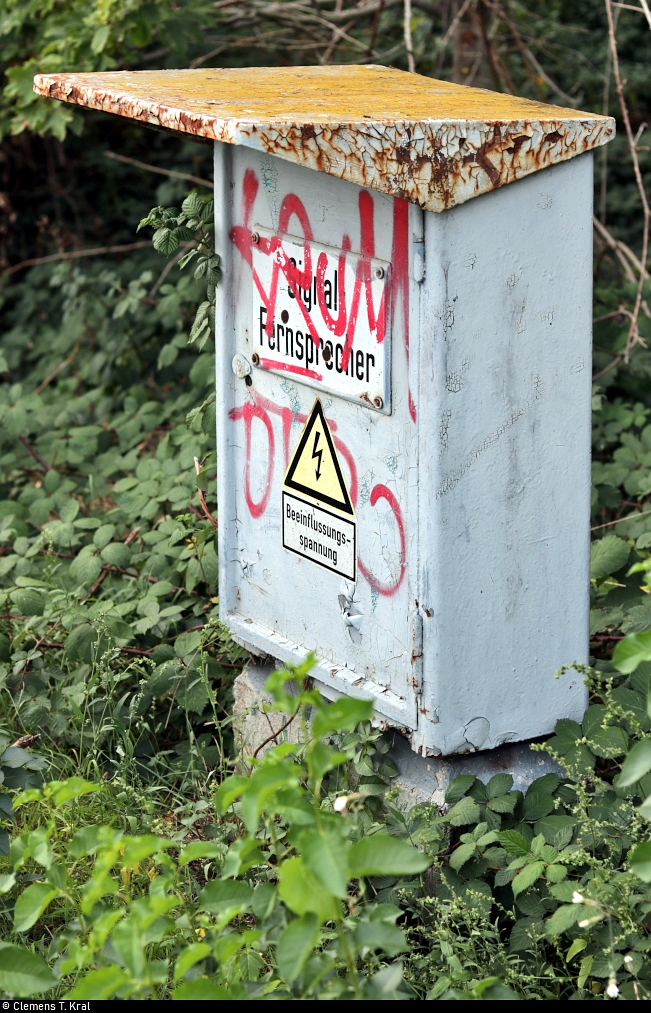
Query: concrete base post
{"points": [[420, 778]]}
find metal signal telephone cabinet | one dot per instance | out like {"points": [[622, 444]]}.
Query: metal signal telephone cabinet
{"points": [[403, 383]]}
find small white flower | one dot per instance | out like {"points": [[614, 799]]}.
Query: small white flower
{"points": [[628, 962], [340, 804], [612, 991], [577, 898]]}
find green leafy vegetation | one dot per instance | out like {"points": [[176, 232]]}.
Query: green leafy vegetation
{"points": [[138, 916], [141, 857]]}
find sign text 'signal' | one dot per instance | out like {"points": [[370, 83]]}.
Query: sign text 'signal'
{"points": [[322, 315]]}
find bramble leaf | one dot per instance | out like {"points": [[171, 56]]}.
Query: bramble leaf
{"points": [[527, 877], [607, 555]]}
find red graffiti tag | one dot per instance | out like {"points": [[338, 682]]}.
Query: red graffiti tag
{"points": [[299, 280], [296, 279], [250, 411], [265, 407], [337, 326], [400, 261], [249, 193], [382, 492], [287, 367], [363, 277]]}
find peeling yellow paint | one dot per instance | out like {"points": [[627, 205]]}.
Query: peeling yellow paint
{"points": [[430, 142]]}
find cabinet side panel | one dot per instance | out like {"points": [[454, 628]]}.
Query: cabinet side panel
{"points": [[505, 454]]}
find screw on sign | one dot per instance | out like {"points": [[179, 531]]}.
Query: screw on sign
{"points": [[385, 250]]}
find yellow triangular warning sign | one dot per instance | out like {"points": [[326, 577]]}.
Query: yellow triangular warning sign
{"points": [[314, 469]]}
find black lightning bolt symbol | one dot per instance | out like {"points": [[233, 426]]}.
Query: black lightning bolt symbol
{"points": [[318, 454]]}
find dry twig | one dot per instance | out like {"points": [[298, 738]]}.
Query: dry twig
{"points": [[156, 168], [74, 254], [273, 736], [620, 520], [647, 12], [634, 336], [499, 71], [408, 43], [616, 361], [644, 9], [58, 645], [62, 365], [168, 267], [34, 453], [202, 498], [376, 21]]}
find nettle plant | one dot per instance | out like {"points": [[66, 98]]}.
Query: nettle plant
{"points": [[290, 905]]}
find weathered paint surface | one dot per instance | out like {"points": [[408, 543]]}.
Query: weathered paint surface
{"points": [[429, 142], [471, 498], [274, 600], [504, 396]]}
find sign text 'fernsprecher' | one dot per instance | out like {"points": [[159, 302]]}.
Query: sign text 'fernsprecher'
{"points": [[322, 316], [318, 515]]}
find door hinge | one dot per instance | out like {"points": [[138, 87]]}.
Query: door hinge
{"points": [[416, 637], [419, 261]]}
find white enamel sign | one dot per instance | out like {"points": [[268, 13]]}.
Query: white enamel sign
{"points": [[322, 316], [319, 535]]}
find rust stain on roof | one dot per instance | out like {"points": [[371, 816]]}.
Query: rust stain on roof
{"points": [[432, 143]]}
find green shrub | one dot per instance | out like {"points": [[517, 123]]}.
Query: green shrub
{"points": [[288, 906]]}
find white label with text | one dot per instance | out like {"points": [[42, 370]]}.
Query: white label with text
{"points": [[323, 316], [320, 535]]}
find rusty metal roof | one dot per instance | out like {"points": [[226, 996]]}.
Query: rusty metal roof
{"points": [[433, 143]]}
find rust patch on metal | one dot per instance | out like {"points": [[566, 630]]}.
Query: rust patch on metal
{"points": [[429, 142]]}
